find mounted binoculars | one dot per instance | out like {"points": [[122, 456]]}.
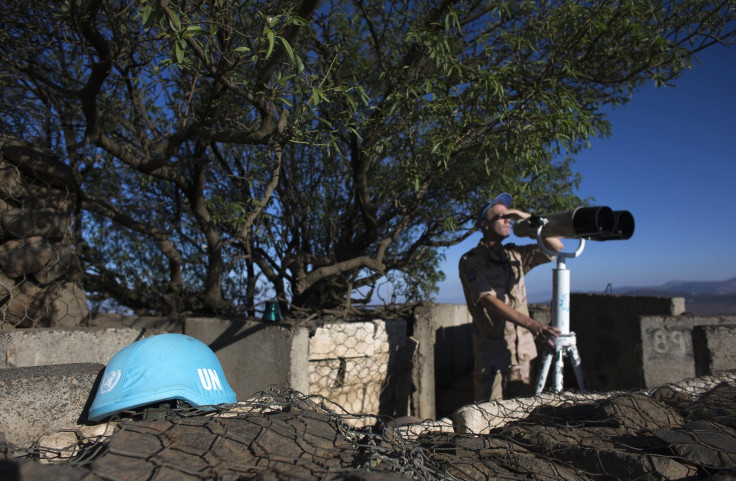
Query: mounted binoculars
{"points": [[593, 223]]}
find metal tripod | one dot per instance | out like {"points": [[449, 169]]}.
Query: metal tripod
{"points": [[564, 344]]}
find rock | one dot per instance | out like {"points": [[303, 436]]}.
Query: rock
{"points": [[706, 444], [37, 260], [24, 223], [25, 256]]}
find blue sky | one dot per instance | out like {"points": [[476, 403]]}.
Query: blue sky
{"points": [[671, 162]]}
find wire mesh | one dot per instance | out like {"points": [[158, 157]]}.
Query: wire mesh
{"points": [[365, 367], [38, 266], [674, 432]]}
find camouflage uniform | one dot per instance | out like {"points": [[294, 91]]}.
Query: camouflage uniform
{"points": [[502, 350]]}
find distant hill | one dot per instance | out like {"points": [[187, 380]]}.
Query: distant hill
{"points": [[707, 298], [727, 287]]}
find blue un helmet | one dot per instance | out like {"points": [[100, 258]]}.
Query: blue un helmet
{"points": [[160, 368]]}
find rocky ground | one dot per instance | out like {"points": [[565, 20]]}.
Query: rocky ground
{"points": [[685, 431]]}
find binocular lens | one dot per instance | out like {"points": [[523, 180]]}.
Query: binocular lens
{"points": [[594, 223]]}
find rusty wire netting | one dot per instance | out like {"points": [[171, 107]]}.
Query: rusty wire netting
{"points": [[38, 266], [673, 432], [281, 433]]}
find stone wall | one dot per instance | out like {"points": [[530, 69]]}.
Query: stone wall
{"points": [[254, 354], [359, 367], [364, 367], [39, 270], [444, 371], [52, 347], [637, 342], [378, 367], [714, 348], [667, 346]]}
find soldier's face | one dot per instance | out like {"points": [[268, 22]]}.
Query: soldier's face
{"points": [[496, 224]]}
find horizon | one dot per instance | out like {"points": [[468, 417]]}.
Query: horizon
{"points": [[541, 297], [545, 296], [670, 161]]}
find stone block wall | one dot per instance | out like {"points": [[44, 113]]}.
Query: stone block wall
{"points": [[714, 348], [254, 354], [39, 270], [635, 342], [364, 367], [40, 400], [608, 332], [52, 347], [444, 370], [668, 353]]}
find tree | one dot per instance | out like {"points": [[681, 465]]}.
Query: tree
{"points": [[314, 148]]}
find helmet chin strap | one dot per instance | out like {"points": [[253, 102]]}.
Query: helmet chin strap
{"points": [[164, 411]]}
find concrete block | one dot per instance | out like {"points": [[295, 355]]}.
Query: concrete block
{"points": [[254, 354], [355, 399], [390, 334], [379, 340], [149, 323], [371, 369], [714, 349], [609, 339], [323, 374], [482, 418], [35, 401], [362, 370], [343, 339], [347, 398], [667, 346], [362, 384], [356, 339], [459, 393], [356, 371], [445, 353], [372, 398], [44, 347]]}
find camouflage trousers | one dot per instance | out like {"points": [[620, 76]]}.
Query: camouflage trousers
{"points": [[514, 382]]}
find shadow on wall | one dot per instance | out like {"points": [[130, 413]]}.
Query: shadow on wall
{"points": [[453, 361]]}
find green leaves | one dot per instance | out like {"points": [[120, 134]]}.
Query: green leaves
{"points": [[312, 152]]}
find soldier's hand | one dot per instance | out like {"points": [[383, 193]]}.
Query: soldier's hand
{"points": [[548, 333]]}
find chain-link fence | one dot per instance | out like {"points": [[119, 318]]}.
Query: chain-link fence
{"points": [[685, 431]]}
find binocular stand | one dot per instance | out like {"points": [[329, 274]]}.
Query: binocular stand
{"points": [[564, 344]]}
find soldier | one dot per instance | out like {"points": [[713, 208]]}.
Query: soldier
{"points": [[492, 275]]}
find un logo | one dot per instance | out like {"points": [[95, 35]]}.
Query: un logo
{"points": [[109, 380]]}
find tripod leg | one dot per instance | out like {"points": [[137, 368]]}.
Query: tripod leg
{"points": [[559, 357], [577, 366], [544, 370]]}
